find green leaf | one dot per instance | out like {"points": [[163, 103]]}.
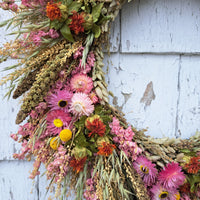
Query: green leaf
{"points": [[89, 152], [81, 122], [65, 31], [56, 24], [74, 6], [81, 141], [96, 11], [96, 30], [103, 19]]}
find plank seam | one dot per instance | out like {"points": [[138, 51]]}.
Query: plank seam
{"points": [[177, 132]]}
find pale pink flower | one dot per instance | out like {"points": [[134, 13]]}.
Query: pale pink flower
{"points": [[81, 104], [146, 169], [171, 176], [81, 83]]}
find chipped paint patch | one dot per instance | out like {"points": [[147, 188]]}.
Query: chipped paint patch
{"points": [[148, 95]]}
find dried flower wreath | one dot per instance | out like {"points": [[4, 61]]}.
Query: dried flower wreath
{"points": [[85, 144]]}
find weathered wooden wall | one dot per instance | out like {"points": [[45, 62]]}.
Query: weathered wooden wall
{"points": [[154, 73]]}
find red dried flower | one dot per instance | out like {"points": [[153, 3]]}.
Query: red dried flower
{"points": [[194, 165], [78, 164], [53, 11], [76, 24], [185, 188], [106, 149], [96, 126]]}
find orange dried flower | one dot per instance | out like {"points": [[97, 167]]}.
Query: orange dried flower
{"points": [[106, 149], [78, 164], [53, 11], [76, 24], [194, 165]]}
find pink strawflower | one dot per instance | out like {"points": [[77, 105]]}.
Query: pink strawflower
{"points": [[81, 105], [56, 120], [146, 169], [171, 176], [59, 100], [81, 83], [158, 192]]}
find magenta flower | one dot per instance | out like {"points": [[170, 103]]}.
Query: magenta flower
{"points": [[56, 120], [171, 176], [59, 100], [81, 105], [81, 83], [146, 169], [158, 192]]}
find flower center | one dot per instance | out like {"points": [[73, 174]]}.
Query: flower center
{"points": [[58, 123], [62, 103], [163, 195], [178, 196], [145, 170], [78, 107]]}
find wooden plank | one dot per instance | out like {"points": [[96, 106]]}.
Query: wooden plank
{"points": [[161, 26], [8, 112], [188, 120], [145, 89], [14, 181]]}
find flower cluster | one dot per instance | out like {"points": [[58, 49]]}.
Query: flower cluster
{"points": [[71, 128], [162, 185], [124, 137]]}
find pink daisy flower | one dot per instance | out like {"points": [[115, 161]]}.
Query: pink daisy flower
{"points": [[81, 104], [171, 176], [158, 192], [146, 169], [56, 120], [81, 83], [59, 100]]}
